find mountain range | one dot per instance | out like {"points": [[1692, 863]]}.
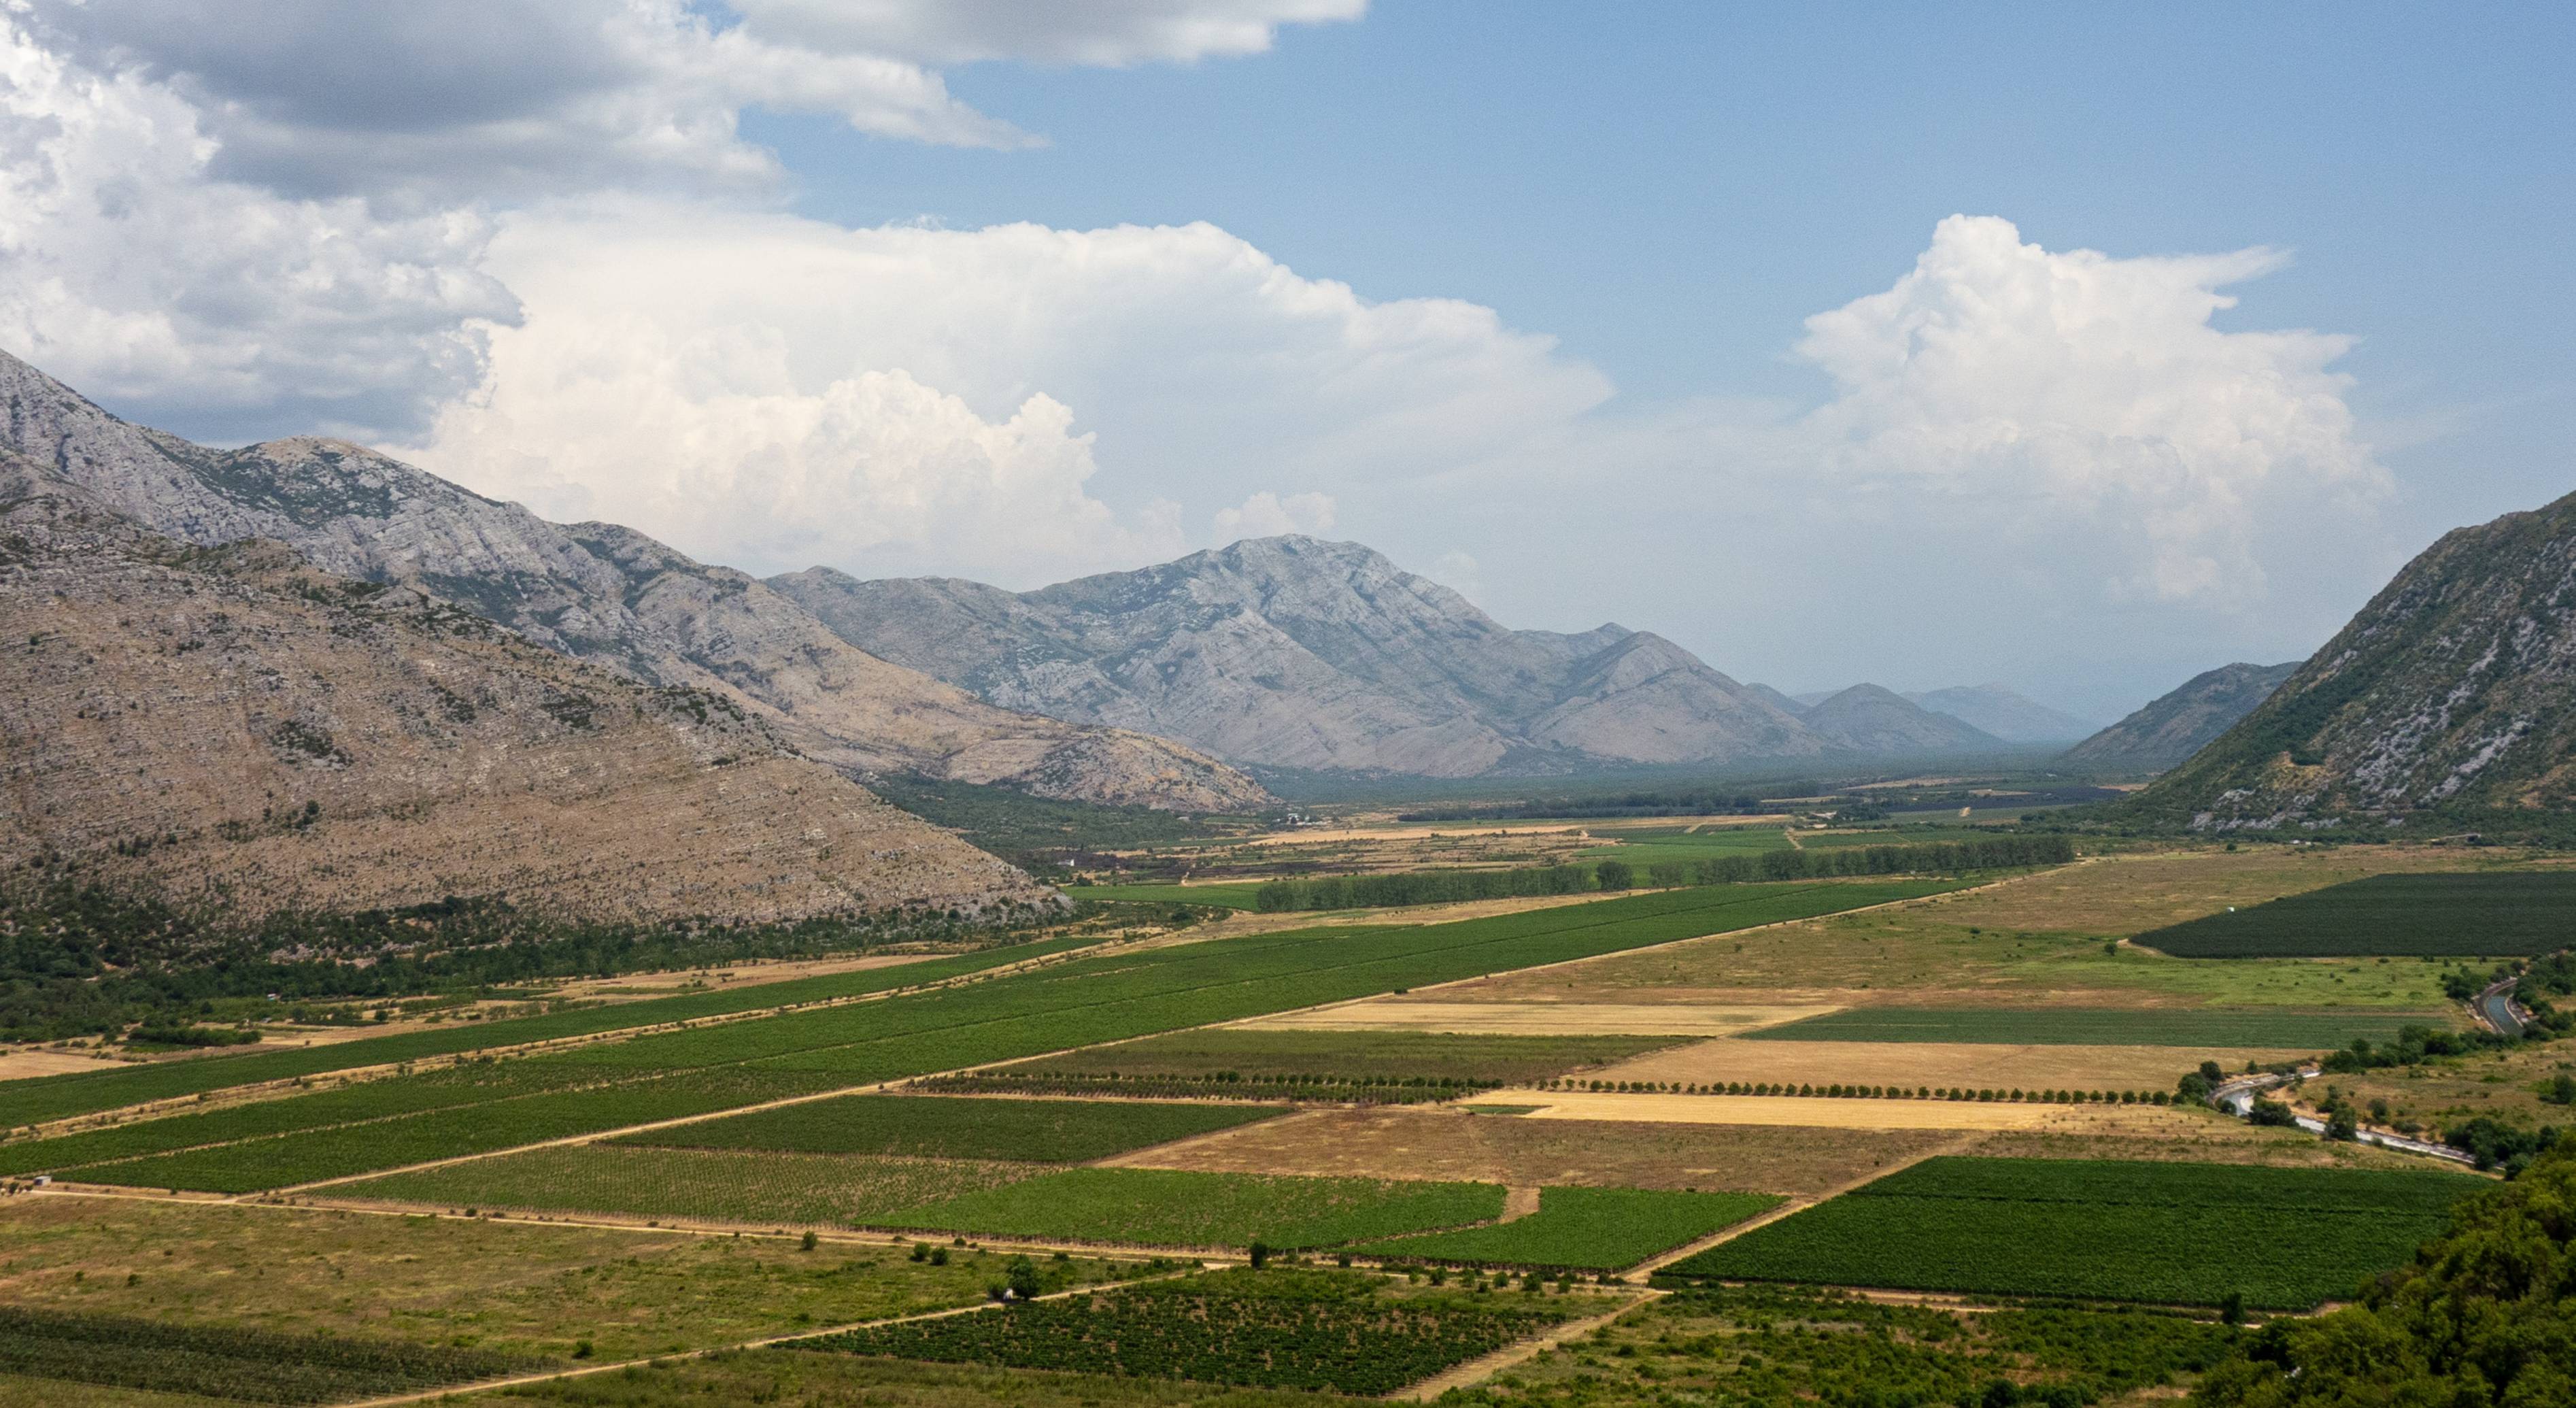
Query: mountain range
{"points": [[1295, 652], [2175, 725], [2446, 699]]}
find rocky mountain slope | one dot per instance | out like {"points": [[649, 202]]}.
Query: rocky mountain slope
{"points": [[1997, 710], [595, 591], [1295, 652], [1868, 719], [2451, 698], [2176, 725], [231, 725]]}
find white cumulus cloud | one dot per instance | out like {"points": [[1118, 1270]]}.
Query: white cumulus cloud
{"points": [[2072, 389], [1103, 32], [1266, 514]]}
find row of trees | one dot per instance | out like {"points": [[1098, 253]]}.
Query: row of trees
{"points": [[1433, 887]]}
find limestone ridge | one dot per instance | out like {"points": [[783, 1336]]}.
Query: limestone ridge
{"points": [[2176, 725], [1868, 718], [229, 725], [2446, 700], [598, 592], [1997, 710], [1294, 652]]}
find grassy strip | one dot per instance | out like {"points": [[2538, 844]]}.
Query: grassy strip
{"points": [[2283, 1238], [1232, 896], [60, 1097], [1584, 1229], [1162, 1207], [2208, 1027], [717, 1185], [2471, 915], [1025, 1131], [1317, 1330]]}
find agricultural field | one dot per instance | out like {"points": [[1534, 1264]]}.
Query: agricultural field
{"points": [[1975, 1065], [2173, 1233], [1789, 1160], [1076, 1002], [1789, 1345], [1440, 1014], [2196, 1028], [825, 1377], [745, 1188], [1367, 1057], [2475, 914], [1332, 1331], [256, 1366], [1157, 1207], [1583, 1229], [523, 1289], [1025, 1131], [38, 1101], [1890, 836], [2038, 938], [1224, 896]]}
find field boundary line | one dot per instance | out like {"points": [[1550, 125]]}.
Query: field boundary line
{"points": [[656, 1360], [1789, 1207], [1484, 1367]]}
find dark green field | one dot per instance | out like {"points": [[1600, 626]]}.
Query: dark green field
{"points": [[1584, 1229], [2472, 915], [1351, 1056], [1166, 1208], [2174, 1233], [1023, 1131], [2206, 1027]]}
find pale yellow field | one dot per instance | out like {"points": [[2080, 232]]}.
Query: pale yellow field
{"points": [[22, 1062], [1822, 1113], [1539, 1018], [1931, 1063]]}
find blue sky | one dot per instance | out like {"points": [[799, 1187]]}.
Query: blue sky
{"points": [[1647, 312]]}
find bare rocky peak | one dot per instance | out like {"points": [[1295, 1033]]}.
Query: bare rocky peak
{"points": [[1867, 718], [232, 725], [2004, 712], [1297, 652], [599, 592], [2449, 699]]}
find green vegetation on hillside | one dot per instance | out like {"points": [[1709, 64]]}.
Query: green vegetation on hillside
{"points": [[2191, 1234], [2440, 915]]}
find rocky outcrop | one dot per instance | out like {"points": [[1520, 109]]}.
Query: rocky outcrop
{"points": [[2451, 697], [1868, 719], [230, 725], [2176, 725], [1299, 653], [600, 593]]}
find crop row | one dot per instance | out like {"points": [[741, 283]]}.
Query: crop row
{"points": [[60, 1097], [758, 1189], [1222, 1328], [2434, 916], [2277, 1237], [255, 1366], [1584, 1229], [1324, 1089], [1170, 1208], [2209, 1028], [1349, 1056], [1025, 1131], [1837, 1091]]}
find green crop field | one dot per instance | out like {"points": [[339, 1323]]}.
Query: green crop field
{"points": [[1078, 1002], [238, 1365], [718, 1185], [1584, 1229], [1027, 1131], [2188, 1234], [1331, 1331], [1348, 1057], [338, 1152], [1162, 1207], [2472, 915], [36, 1101], [1891, 836], [1227, 896], [2205, 1027]]}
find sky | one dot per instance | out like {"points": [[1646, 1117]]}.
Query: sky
{"points": [[2064, 347]]}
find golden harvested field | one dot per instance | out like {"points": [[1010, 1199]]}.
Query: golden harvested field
{"points": [[1539, 1018], [1820, 1112], [2041, 939], [18, 1063], [1447, 1143], [1931, 1063]]}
